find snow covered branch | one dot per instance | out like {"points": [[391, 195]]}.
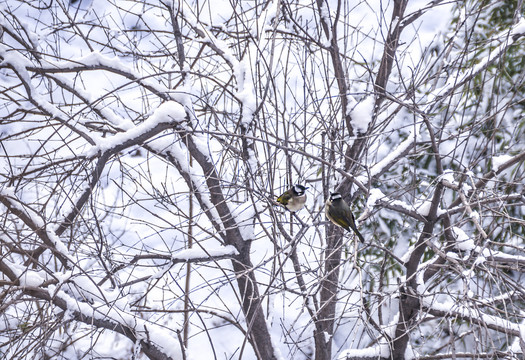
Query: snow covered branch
{"points": [[34, 221], [153, 341], [143, 145]]}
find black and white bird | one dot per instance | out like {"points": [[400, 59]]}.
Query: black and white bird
{"points": [[339, 213], [294, 198]]}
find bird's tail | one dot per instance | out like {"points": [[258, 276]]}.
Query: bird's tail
{"points": [[361, 238]]}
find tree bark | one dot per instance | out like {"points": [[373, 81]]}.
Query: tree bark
{"points": [[324, 326]]}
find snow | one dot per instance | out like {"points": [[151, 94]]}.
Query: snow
{"points": [[483, 254], [20, 63], [406, 256], [381, 350], [472, 314], [244, 216], [371, 352], [420, 206], [463, 241], [196, 253], [95, 58], [373, 197], [8, 191], [245, 91], [29, 278], [423, 207], [518, 28], [466, 188], [38, 222], [17, 61], [325, 15], [498, 161], [271, 13], [448, 175], [169, 112], [362, 114], [142, 329]]}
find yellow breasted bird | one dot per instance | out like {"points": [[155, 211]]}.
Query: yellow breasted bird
{"points": [[294, 198], [338, 212]]}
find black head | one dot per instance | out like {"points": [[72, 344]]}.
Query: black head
{"points": [[335, 196], [299, 189]]}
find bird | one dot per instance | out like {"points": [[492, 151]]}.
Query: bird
{"points": [[339, 213], [294, 198]]}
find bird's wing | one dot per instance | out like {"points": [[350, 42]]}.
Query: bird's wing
{"points": [[349, 217], [353, 226], [284, 198], [339, 219]]}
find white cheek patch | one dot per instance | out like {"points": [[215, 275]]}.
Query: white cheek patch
{"points": [[298, 190], [335, 196]]}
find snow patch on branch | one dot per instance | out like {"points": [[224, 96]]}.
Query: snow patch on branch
{"points": [[196, 253], [519, 28], [142, 329], [381, 350], [463, 241], [467, 312], [448, 175], [325, 16], [38, 221], [95, 58], [362, 114], [375, 352], [17, 61], [498, 161], [244, 216], [271, 14], [373, 197], [169, 112], [422, 207], [26, 277], [245, 91]]}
